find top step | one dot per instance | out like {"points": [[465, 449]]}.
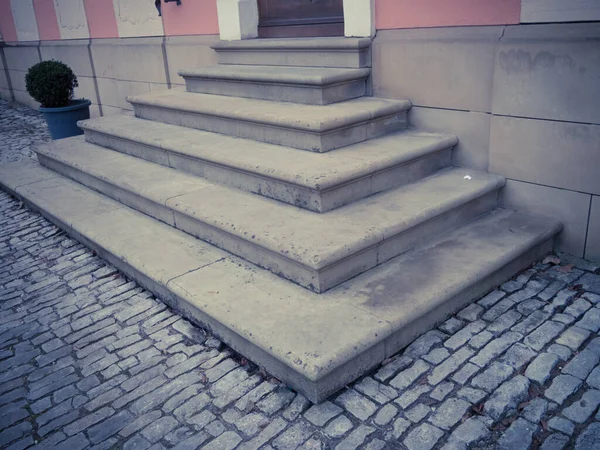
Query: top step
{"points": [[307, 85], [306, 52]]}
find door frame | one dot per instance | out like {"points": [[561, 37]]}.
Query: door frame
{"points": [[238, 19]]}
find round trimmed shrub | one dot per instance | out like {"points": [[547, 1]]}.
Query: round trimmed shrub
{"points": [[51, 83]]}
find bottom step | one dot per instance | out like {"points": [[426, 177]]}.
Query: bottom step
{"points": [[316, 343]]}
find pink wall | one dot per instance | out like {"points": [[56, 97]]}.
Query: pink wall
{"points": [[45, 16], [192, 17], [101, 18], [7, 24], [439, 13]]}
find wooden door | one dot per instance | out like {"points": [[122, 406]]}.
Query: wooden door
{"points": [[294, 18]]}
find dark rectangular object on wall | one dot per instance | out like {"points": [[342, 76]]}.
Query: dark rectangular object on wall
{"points": [[295, 18]]}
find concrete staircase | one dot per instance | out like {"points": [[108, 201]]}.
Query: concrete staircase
{"points": [[331, 235]]}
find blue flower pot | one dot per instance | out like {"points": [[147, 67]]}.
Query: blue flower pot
{"points": [[62, 122]]}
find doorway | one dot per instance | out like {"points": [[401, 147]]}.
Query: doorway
{"points": [[300, 18]]}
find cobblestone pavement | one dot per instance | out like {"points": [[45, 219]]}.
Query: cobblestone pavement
{"points": [[88, 359], [20, 129]]}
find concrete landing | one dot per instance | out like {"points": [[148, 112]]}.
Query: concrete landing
{"points": [[318, 182], [317, 251], [315, 343]]}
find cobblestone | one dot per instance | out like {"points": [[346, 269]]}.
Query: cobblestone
{"points": [[507, 397], [562, 387], [540, 368], [518, 436], [89, 359]]}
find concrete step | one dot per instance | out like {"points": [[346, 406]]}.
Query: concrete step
{"points": [[306, 52], [318, 182], [317, 251], [308, 85], [317, 128], [316, 343]]}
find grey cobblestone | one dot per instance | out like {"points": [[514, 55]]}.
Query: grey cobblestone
{"points": [[449, 413], [581, 410], [357, 405], [449, 366], [561, 424], [106, 365], [507, 397], [424, 437], [555, 441], [518, 436], [562, 387], [539, 370]]}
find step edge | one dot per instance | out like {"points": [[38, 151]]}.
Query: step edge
{"points": [[326, 260], [391, 108], [291, 79], [323, 186], [307, 44]]}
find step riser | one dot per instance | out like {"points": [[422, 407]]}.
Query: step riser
{"points": [[314, 142], [316, 280], [276, 189], [354, 59], [308, 95]]}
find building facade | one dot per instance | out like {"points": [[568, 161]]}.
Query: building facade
{"points": [[518, 81]]}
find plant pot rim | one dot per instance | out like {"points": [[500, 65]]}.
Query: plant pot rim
{"points": [[75, 104]]}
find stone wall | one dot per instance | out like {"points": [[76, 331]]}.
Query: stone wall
{"points": [[524, 101], [108, 70]]}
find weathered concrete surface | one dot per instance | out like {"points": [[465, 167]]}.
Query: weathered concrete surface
{"points": [[294, 350], [307, 85], [317, 251], [317, 128], [318, 182]]}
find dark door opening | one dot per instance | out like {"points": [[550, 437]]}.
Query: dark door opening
{"points": [[300, 18]]}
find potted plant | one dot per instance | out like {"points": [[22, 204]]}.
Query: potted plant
{"points": [[51, 83]]}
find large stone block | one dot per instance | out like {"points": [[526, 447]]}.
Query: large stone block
{"points": [[437, 67], [5, 94], [592, 248], [549, 72], [187, 52], [74, 53], [25, 98], [561, 154], [111, 110], [21, 56], [17, 78], [571, 208], [4, 84], [114, 92], [472, 129], [136, 59], [86, 89]]}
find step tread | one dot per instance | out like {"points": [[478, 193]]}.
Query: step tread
{"points": [[316, 171], [310, 239], [306, 118], [316, 343], [309, 43], [313, 76]]}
